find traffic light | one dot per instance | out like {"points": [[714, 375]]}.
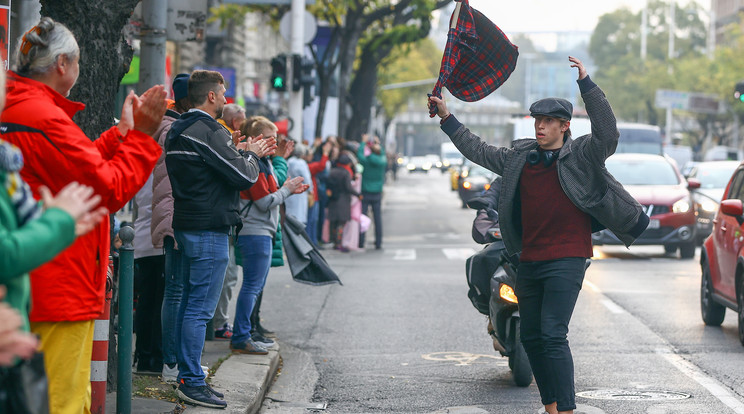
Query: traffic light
{"points": [[739, 91], [279, 73], [302, 72]]}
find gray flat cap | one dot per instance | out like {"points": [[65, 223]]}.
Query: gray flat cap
{"points": [[552, 107]]}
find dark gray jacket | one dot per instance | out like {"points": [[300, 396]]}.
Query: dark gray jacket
{"points": [[581, 172], [206, 172]]}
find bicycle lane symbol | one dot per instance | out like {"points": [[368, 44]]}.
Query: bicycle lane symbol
{"points": [[463, 358]]}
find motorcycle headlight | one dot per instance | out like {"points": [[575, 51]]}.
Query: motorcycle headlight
{"points": [[709, 206], [466, 185], [507, 293], [681, 206]]}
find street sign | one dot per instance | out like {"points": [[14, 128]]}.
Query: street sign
{"points": [[310, 27], [672, 99], [688, 101], [269, 2], [187, 20], [705, 104]]}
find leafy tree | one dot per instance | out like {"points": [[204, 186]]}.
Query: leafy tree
{"points": [[363, 33], [104, 54], [408, 63]]}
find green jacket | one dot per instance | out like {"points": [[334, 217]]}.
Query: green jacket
{"points": [[374, 165], [280, 172], [23, 249]]}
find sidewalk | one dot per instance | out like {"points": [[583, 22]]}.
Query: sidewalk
{"points": [[244, 379]]}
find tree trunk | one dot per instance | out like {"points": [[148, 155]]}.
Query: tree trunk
{"points": [[348, 52], [104, 55], [362, 92]]}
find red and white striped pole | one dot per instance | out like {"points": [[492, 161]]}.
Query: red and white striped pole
{"points": [[99, 360]]}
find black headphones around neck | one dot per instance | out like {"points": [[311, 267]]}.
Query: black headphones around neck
{"points": [[547, 157]]}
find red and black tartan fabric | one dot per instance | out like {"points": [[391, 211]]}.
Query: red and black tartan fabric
{"points": [[478, 57]]}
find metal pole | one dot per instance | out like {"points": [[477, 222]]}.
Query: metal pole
{"points": [[297, 47], [644, 31], [152, 52], [711, 33], [126, 293], [672, 7]]}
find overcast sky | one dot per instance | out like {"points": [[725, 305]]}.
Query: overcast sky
{"points": [[555, 15]]}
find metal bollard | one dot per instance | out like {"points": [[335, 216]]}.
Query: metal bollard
{"points": [[99, 360], [126, 293]]}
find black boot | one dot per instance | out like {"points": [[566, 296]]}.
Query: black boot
{"points": [[256, 319]]}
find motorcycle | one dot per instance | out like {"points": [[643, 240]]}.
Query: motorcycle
{"points": [[491, 275]]}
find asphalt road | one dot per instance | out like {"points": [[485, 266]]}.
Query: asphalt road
{"points": [[400, 336]]}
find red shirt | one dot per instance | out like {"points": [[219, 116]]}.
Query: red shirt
{"points": [[552, 226]]}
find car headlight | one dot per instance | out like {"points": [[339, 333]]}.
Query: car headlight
{"points": [[681, 206], [709, 206], [411, 167], [464, 174], [446, 163]]}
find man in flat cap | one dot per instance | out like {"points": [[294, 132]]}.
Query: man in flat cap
{"points": [[555, 193]]}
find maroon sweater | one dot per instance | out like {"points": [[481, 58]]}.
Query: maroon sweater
{"points": [[552, 226]]}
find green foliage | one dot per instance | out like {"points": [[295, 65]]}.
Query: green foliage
{"points": [[407, 63]]}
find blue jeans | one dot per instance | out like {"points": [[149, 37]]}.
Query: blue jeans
{"points": [[312, 222], [256, 252], [204, 257], [547, 293], [373, 200], [171, 300]]}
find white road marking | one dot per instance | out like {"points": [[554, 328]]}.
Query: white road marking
{"points": [[458, 254], [613, 307], [405, 254], [717, 389]]}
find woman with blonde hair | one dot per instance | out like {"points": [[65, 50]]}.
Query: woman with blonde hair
{"points": [[259, 210]]}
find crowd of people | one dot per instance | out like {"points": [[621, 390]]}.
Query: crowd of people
{"points": [[210, 186]]}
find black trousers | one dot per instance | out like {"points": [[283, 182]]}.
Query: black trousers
{"points": [[373, 200], [149, 288], [547, 293]]}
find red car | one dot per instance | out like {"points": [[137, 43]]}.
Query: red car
{"points": [[656, 183], [722, 258]]}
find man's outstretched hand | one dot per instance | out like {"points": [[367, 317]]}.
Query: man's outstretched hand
{"points": [[576, 63]]}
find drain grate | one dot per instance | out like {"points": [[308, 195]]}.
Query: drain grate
{"points": [[633, 395]]}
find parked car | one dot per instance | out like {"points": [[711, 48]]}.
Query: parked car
{"points": [[419, 163], [722, 279], [473, 182], [713, 177], [656, 183]]}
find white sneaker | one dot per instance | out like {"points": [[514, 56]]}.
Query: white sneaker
{"points": [[170, 375]]}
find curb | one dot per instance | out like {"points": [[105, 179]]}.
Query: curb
{"points": [[244, 379]]}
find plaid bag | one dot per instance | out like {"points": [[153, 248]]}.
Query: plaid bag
{"points": [[478, 57]]}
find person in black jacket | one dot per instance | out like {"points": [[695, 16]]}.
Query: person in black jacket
{"points": [[340, 191], [207, 171]]}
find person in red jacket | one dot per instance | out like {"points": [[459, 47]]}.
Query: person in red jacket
{"points": [[68, 292]]}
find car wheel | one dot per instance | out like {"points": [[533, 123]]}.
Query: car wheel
{"points": [[740, 302], [713, 313], [687, 250], [670, 249]]}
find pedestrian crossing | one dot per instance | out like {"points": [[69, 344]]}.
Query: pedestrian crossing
{"points": [[457, 253]]}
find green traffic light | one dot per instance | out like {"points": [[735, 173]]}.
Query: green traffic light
{"points": [[278, 83], [741, 98]]}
